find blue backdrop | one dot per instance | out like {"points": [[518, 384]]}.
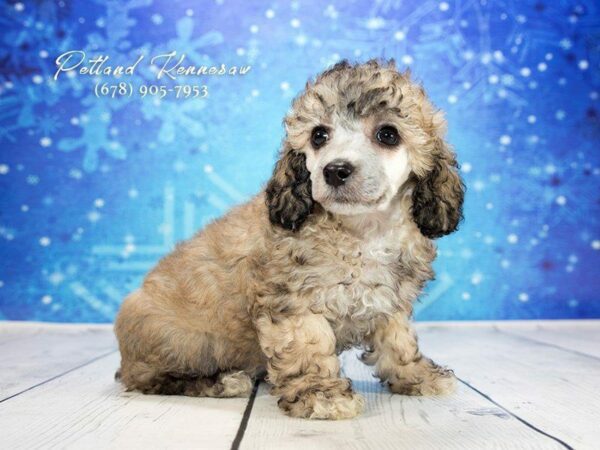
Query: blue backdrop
{"points": [[94, 190]]}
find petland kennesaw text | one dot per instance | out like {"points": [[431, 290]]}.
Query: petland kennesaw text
{"points": [[167, 65]]}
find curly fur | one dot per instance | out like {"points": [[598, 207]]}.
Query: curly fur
{"points": [[282, 284], [288, 193]]}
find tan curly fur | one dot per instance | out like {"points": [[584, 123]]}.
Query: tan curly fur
{"points": [[302, 271]]}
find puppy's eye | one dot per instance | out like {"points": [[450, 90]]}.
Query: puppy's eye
{"points": [[388, 135], [319, 137]]}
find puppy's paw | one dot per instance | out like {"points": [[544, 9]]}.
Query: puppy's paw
{"points": [[369, 357], [225, 384], [236, 384], [438, 381], [324, 405]]}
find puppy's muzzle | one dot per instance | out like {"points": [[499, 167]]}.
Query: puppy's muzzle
{"points": [[337, 172]]}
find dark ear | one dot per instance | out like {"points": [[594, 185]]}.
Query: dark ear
{"points": [[289, 195], [437, 198]]}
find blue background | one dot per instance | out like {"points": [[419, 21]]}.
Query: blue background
{"points": [[93, 191]]}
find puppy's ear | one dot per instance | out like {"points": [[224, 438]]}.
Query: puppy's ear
{"points": [[288, 193], [437, 198]]}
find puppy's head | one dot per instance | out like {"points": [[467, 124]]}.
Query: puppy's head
{"points": [[356, 137]]}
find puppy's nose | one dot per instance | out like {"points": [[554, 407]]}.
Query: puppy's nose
{"points": [[337, 172]]}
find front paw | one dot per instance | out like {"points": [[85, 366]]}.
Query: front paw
{"points": [[431, 381], [331, 405]]}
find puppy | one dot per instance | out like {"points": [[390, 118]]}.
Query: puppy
{"points": [[331, 255]]}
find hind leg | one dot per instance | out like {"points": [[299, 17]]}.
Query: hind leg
{"points": [[160, 355], [141, 377], [224, 384]]}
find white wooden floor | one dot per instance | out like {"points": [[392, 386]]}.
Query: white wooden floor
{"points": [[523, 385]]}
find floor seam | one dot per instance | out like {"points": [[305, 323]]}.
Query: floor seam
{"points": [[520, 419], [547, 344], [55, 377], [235, 445]]}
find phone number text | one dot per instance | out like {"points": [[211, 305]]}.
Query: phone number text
{"points": [[123, 89]]}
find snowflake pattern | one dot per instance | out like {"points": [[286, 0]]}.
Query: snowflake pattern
{"points": [[94, 191]]}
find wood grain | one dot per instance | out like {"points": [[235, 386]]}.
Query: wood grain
{"points": [[581, 337], [87, 409], [554, 389], [463, 420], [522, 379], [32, 354]]}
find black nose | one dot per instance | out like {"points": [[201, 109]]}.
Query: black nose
{"points": [[337, 172]]}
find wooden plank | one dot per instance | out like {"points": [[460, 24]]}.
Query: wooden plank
{"points": [[555, 390], [582, 338], [32, 354], [549, 387], [87, 409], [585, 323], [11, 331], [463, 420], [17, 326], [17, 330]]}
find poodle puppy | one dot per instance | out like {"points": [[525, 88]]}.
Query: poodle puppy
{"points": [[331, 255]]}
